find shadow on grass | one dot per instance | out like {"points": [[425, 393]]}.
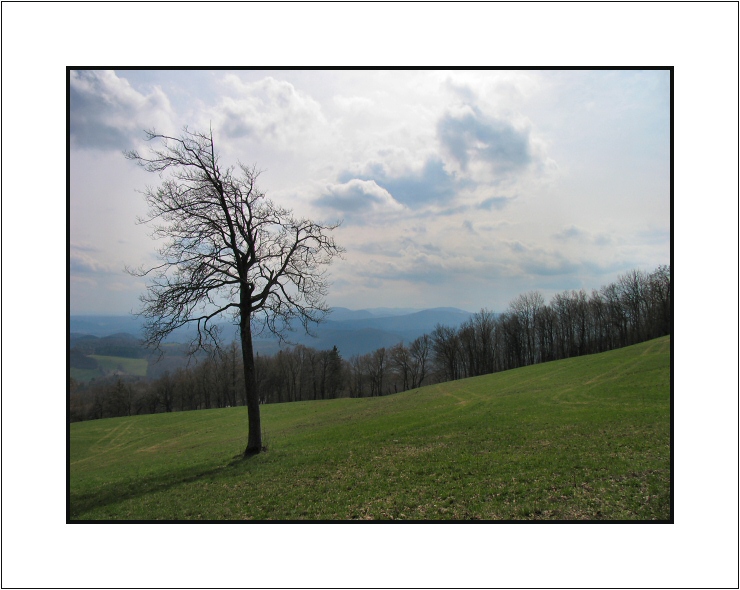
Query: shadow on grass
{"points": [[112, 493]]}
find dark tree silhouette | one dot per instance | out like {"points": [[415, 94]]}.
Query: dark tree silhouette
{"points": [[227, 248]]}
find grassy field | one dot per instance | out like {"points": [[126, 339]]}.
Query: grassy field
{"points": [[585, 438], [84, 374], [108, 364]]}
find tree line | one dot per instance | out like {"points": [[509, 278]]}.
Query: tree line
{"points": [[636, 307]]}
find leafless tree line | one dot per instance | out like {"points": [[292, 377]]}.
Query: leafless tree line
{"points": [[635, 308]]}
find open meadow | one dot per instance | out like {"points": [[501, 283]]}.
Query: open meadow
{"points": [[585, 438], [111, 365]]}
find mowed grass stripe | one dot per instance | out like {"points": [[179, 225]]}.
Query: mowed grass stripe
{"points": [[582, 438]]}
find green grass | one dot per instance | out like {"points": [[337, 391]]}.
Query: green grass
{"points": [[127, 366], [583, 438], [85, 374]]}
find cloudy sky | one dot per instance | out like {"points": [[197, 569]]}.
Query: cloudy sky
{"points": [[455, 188]]}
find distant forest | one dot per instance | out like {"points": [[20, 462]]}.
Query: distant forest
{"points": [[635, 308]]}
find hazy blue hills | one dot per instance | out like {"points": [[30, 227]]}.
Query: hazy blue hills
{"points": [[339, 314], [423, 321], [351, 331], [104, 325]]}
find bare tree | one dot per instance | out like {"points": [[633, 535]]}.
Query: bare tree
{"points": [[227, 249], [377, 364], [527, 306], [659, 301], [419, 351], [447, 352], [634, 291], [477, 340], [401, 360], [358, 372]]}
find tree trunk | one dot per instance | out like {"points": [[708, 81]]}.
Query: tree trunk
{"points": [[254, 441]]}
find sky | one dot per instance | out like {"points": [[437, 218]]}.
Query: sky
{"points": [[460, 188]]}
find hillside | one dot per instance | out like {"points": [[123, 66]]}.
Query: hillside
{"points": [[95, 357], [585, 438], [351, 331]]}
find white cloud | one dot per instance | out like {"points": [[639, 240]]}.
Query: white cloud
{"points": [[353, 103], [106, 112], [271, 111], [470, 136], [359, 196], [84, 262]]}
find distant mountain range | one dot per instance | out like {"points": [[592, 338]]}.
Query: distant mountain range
{"points": [[351, 331]]}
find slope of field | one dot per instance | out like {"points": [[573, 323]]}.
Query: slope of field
{"points": [[583, 438]]}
